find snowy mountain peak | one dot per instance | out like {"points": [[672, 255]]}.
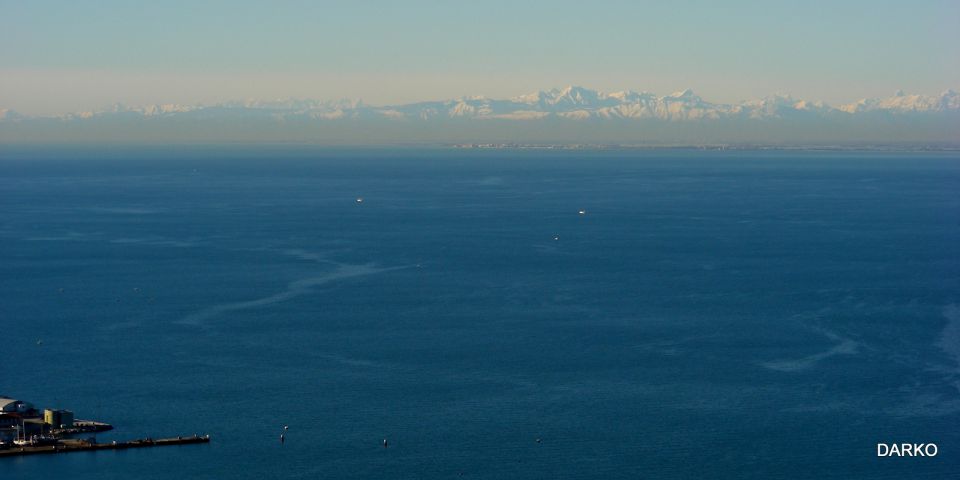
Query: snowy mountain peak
{"points": [[904, 103], [569, 96], [630, 96]]}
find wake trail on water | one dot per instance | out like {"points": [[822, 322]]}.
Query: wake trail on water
{"points": [[294, 289], [844, 346]]}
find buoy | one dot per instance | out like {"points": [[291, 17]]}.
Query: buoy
{"points": [[385, 443]]}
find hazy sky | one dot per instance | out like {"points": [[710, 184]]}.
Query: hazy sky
{"points": [[59, 56]]}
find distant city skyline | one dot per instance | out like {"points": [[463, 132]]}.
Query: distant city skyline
{"points": [[60, 57]]}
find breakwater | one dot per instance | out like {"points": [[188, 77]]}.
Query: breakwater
{"points": [[67, 446]]}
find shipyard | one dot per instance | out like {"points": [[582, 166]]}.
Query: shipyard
{"points": [[27, 430]]}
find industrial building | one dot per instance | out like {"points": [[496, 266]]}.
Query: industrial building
{"points": [[58, 418]]}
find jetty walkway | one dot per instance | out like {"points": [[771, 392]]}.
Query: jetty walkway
{"points": [[67, 446]]}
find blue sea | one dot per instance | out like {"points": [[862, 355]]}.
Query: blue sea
{"points": [[710, 314]]}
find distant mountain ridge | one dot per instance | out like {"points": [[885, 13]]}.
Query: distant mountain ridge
{"points": [[571, 114], [572, 102]]}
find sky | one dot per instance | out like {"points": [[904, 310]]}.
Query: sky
{"points": [[77, 55]]}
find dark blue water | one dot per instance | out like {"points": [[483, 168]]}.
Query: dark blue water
{"points": [[712, 315]]}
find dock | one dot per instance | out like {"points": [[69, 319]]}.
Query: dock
{"points": [[67, 446]]}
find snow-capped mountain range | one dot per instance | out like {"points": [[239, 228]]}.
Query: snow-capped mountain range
{"points": [[574, 103], [571, 115]]}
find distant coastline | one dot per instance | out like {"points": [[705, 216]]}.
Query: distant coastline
{"points": [[252, 147], [717, 147]]}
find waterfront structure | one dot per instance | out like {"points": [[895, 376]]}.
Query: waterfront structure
{"points": [[21, 420], [12, 405], [16, 416], [58, 418]]}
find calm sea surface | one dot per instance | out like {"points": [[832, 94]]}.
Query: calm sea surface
{"points": [[711, 315]]}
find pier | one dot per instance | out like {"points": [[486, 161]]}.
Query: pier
{"points": [[67, 446], [80, 427]]}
